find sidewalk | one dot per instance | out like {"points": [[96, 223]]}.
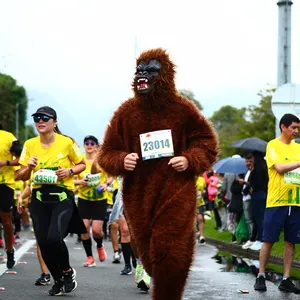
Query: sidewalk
{"points": [[238, 250]]}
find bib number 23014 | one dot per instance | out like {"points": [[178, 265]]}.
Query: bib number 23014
{"points": [[156, 144]]}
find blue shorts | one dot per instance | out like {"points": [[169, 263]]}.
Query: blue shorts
{"points": [[282, 217]]}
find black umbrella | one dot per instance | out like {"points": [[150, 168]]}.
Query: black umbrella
{"points": [[252, 144]]}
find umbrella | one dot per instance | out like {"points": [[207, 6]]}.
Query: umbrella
{"points": [[252, 144], [235, 165]]}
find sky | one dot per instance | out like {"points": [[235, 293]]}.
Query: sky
{"points": [[79, 56]]}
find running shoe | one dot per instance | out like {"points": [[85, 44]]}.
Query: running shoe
{"points": [[69, 281], [57, 289], [17, 239], [248, 244], [10, 259], [144, 284], [102, 254], [126, 271], [43, 280], [288, 286], [89, 262], [260, 284], [202, 240], [139, 272], [116, 258]]}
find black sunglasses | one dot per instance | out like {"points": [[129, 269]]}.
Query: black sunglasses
{"points": [[44, 118], [90, 143]]}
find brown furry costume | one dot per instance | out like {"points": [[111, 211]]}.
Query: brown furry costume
{"points": [[160, 202]]}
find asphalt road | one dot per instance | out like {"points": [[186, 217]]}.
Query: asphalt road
{"points": [[207, 279]]}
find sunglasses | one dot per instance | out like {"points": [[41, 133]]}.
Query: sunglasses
{"points": [[90, 143], [44, 118]]}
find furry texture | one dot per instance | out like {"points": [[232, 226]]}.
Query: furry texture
{"points": [[159, 202]]}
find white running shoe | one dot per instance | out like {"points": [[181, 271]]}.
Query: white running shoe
{"points": [[256, 246], [248, 244]]}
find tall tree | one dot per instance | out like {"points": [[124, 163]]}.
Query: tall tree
{"points": [[229, 123], [191, 96], [13, 103], [262, 119]]}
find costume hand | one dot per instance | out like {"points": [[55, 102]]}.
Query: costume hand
{"points": [[32, 162], [130, 161], [179, 163], [62, 173]]}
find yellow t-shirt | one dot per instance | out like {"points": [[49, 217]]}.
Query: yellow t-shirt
{"points": [[200, 187], [281, 193], [89, 192], [63, 152], [7, 172]]}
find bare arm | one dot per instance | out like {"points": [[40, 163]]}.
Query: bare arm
{"points": [[283, 168]]}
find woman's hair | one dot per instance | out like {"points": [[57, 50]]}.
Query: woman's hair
{"points": [[57, 130]]}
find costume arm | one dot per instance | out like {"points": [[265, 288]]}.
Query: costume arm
{"points": [[112, 152], [202, 143]]}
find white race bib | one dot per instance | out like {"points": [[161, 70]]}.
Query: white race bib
{"points": [[292, 177], [44, 176], [93, 179], [156, 144]]}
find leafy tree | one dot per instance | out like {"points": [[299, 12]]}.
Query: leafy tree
{"points": [[263, 121], [190, 95], [229, 123], [13, 100]]}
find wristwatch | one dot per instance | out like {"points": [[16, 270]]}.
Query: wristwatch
{"points": [[71, 172], [8, 163]]}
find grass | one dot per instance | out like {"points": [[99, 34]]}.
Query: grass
{"points": [[226, 236]]}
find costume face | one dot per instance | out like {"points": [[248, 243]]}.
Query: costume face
{"points": [[145, 75]]}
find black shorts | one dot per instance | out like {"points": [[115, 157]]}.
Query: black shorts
{"points": [[92, 210], [6, 198]]}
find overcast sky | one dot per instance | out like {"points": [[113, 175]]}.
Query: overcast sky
{"points": [[79, 56]]}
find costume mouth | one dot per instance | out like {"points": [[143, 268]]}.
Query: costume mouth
{"points": [[142, 84]]}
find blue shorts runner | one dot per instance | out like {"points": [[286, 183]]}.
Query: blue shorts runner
{"points": [[282, 217]]}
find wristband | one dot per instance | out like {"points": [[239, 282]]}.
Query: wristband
{"points": [[8, 163], [71, 172]]}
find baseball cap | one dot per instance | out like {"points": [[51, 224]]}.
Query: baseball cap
{"points": [[91, 137], [47, 111]]}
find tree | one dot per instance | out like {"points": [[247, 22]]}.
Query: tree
{"points": [[262, 119], [190, 95], [13, 101], [229, 123]]}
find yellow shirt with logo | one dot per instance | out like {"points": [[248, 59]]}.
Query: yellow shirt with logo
{"points": [[89, 192], [200, 187], [280, 192], [62, 153], [7, 173]]}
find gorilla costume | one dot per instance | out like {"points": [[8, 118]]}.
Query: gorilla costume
{"points": [[160, 202]]}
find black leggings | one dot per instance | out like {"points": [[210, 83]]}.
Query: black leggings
{"points": [[50, 223]]}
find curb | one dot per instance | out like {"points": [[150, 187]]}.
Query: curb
{"points": [[238, 250]]}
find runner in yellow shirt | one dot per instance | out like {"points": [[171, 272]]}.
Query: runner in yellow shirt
{"points": [[7, 186], [283, 201], [52, 159], [92, 202]]}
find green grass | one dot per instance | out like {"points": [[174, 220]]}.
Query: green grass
{"points": [[226, 236]]}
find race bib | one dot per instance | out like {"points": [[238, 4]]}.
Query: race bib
{"points": [[156, 144], [44, 176], [93, 179], [292, 177]]}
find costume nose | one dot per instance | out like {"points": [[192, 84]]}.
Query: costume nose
{"points": [[143, 73]]}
